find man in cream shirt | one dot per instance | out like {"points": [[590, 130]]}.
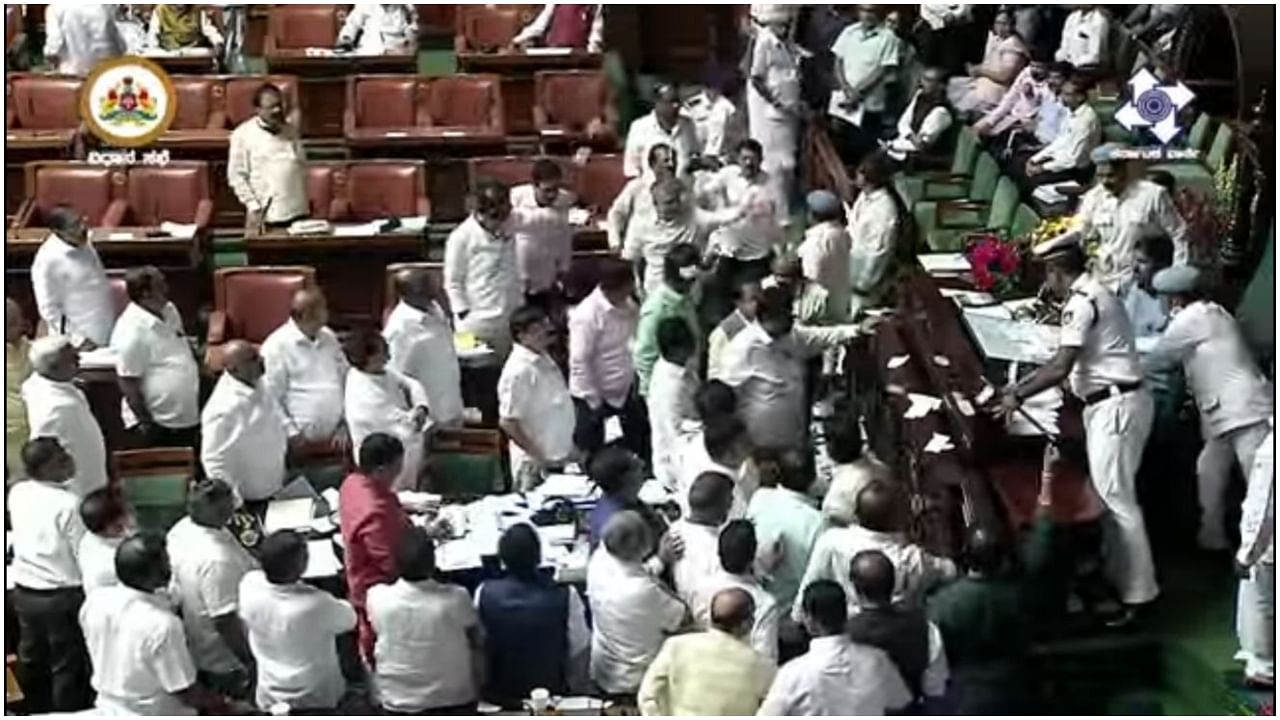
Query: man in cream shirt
{"points": [[57, 408], [70, 284], [265, 164], [1068, 156], [244, 440], [156, 366], [306, 372], [420, 339], [481, 272], [534, 404]]}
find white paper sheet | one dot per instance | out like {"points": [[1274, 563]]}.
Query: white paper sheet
{"points": [[944, 263], [331, 496], [288, 515], [416, 223], [178, 230], [897, 361], [545, 51], [460, 554], [322, 561], [395, 134], [567, 486], [939, 444], [579, 216], [363, 229], [921, 405], [454, 133]]}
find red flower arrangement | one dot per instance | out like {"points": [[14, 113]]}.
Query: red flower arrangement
{"points": [[995, 265]]}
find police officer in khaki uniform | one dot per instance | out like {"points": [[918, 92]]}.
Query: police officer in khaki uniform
{"points": [[1097, 354], [1234, 398]]}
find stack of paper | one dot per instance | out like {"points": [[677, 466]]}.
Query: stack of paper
{"points": [[321, 560], [566, 486], [288, 515], [944, 263]]}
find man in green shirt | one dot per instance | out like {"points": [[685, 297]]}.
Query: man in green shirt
{"points": [[673, 298]]}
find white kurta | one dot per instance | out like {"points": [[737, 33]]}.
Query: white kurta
{"points": [[72, 293], [421, 346], [244, 442], [1121, 222], [873, 228], [385, 403], [824, 257], [60, 410], [671, 405], [777, 63], [381, 28]]}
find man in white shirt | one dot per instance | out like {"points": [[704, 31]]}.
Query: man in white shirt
{"points": [[721, 446], [867, 56], [535, 408], [1235, 400], [677, 221], [419, 336], [1120, 209], [1068, 156], [744, 248], [564, 25], [47, 592], [244, 441], [880, 529], [1147, 311], [1256, 568], [736, 549], [481, 274], [664, 126], [380, 29], [672, 390], [292, 628], [876, 232], [78, 36], [208, 565], [602, 375], [1084, 39], [746, 302], [713, 116], [57, 408], [774, 105], [73, 297], [137, 644], [632, 612], [836, 676], [265, 164], [539, 223], [766, 365], [709, 501], [824, 253], [106, 523], [156, 364], [428, 654], [925, 119], [632, 211], [306, 372]]}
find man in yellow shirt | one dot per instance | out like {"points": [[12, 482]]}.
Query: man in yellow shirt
{"points": [[710, 673]]}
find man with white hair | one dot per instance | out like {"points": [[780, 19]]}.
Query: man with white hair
{"points": [[58, 409]]}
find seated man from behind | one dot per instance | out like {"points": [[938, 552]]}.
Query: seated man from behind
{"points": [[106, 522], [534, 627], [244, 433], [180, 27], [292, 629], [738, 546], [428, 655], [579, 26], [714, 672], [380, 29]]}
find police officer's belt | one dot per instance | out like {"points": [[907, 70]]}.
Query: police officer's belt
{"points": [[1113, 391]]}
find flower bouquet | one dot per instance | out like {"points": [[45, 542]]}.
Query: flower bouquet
{"points": [[996, 265]]}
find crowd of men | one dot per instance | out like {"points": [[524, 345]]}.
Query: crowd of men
{"points": [[696, 360]]}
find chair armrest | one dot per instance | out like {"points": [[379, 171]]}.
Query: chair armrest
{"points": [[115, 214], [348, 122], [217, 333], [339, 210], [460, 44], [540, 117], [423, 206], [26, 211], [204, 214]]}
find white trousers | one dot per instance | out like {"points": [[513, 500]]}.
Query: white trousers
{"points": [[1116, 431], [1256, 621], [1213, 474]]}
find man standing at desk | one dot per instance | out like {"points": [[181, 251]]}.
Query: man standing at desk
{"points": [[578, 26], [306, 371], [1097, 352], [70, 284], [265, 164], [480, 269], [244, 440]]}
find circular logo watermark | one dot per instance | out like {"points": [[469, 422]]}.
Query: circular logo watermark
{"points": [[128, 101]]}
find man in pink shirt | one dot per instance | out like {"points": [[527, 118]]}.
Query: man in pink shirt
{"points": [[1020, 105], [602, 376]]}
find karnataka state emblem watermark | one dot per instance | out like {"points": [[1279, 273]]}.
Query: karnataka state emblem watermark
{"points": [[128, 102], [1154, 106]]}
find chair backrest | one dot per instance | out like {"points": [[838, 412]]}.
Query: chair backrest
{"points": [[1198, 135], [119, 291], [985, 174], [294, 27], [1004, 202], [89, 189], [486, 28], [381, 189], [1025, 220], [1221, 147], [467, 101], [322, 188], [171, 193], [153, 483], [384, 101], [966, 152], [467, 461], [240, 90], [599, 181], [43, 102], [571, 99], [510, 170], [198, 97], [389, 291], [256, 299]]}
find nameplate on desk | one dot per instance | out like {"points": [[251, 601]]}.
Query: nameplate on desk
{"points": [[118, 236], [395, 134], [553, 131], [548, 51], [454, 133]]}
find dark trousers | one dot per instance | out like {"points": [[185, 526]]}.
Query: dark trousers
{"points": [[464, 709], [51, 650], [165, 437], [588, 434], [856, 142]]}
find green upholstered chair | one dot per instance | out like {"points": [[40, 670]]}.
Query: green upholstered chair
{"points": [[1198, 176], [943, 226], [1025, 220], [153, 483], [467, 462], [949, 185], [1198, 135]]}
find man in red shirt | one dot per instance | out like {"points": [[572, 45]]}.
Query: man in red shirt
{"points": [[372, 524]]}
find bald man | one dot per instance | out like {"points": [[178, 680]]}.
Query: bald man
{"points": [[710, 673], [419, 337], [244, 433], [306, 372]]}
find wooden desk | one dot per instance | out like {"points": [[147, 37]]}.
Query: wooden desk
{"points": [[517, 69], [180, 259], [322, 79], [23, 146], [185, 62], [435, 138], [350, 269]]}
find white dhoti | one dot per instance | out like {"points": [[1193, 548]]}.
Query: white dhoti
{"points": [[1256, 622], [779, 137], [1213, 475], [1116, 431]]}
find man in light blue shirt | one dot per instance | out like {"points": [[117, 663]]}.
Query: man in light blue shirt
{"points": [[1052, 113], [788, 523]]}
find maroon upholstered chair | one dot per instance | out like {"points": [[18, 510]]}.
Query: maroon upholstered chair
{"points": [[92, 190], [599, 181], [472, 102], [570, 101], [490, 28], [178, 192], [240, 90], [199, 103], [249, 303], [296, 27], [41, 109], [322, 193], [381, 189]]}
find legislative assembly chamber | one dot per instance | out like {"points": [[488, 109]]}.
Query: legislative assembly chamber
{"points": [[605, 359]]}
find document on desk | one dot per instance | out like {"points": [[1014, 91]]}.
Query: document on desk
{"points": [[360, 230], [178, 230], [944, 263], [567, 486], [293, 514], [546, 51], [939, 444], [322, 561], [460, 554], [416, 223], [1013, 340]]}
